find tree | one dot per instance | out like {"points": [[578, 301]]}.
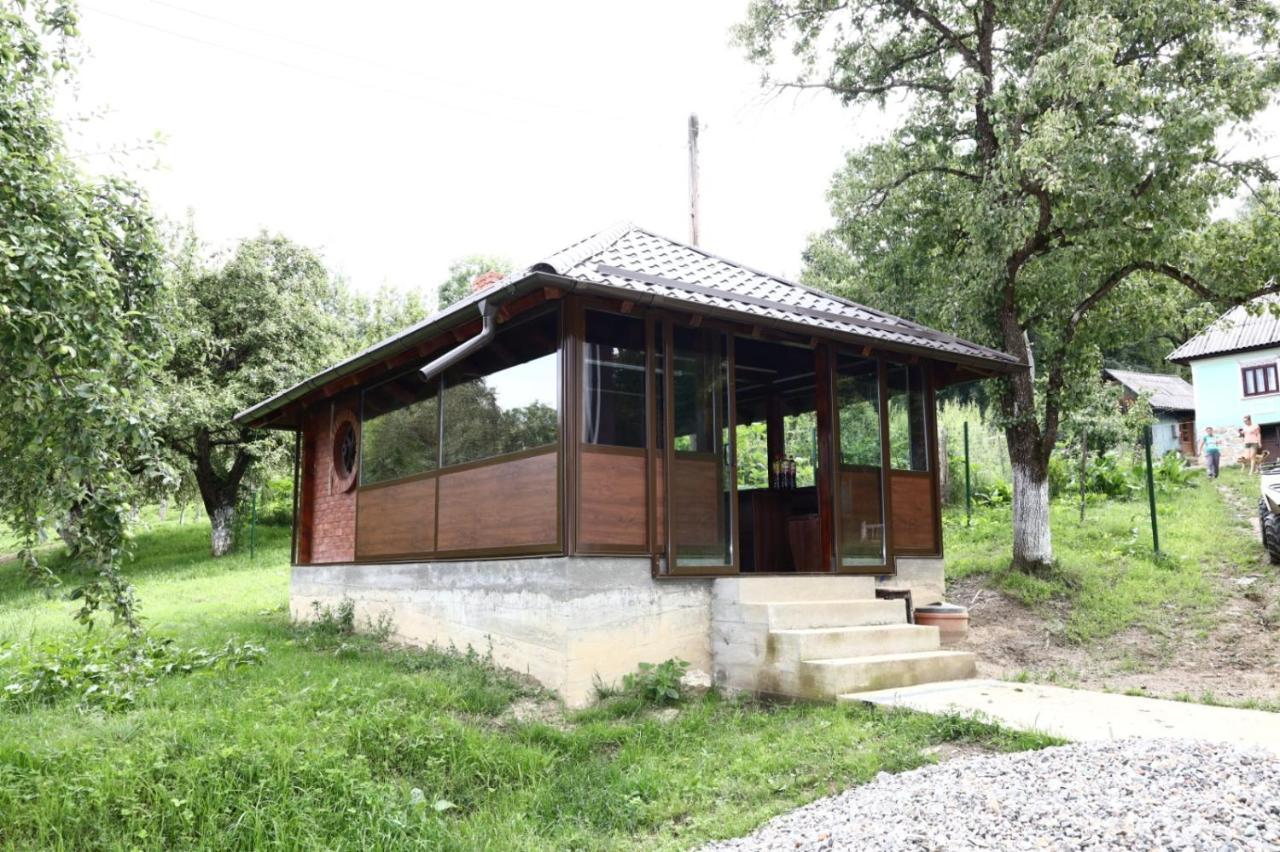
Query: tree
{"points": [[464, 271], [377, 317], [267, 317], [80, 271], [1044, 186]]}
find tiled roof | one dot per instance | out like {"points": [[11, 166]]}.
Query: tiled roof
{"points": [[630, 262], [632, 259], [1235, 330], [1169, 393]]}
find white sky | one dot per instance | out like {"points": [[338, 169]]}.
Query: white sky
{"points": [[397, 137]]}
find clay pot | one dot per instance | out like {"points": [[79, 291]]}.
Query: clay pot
{"points": [[952, 621]]}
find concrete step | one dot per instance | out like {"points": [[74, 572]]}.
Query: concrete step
{"points": [[842, 675], [746, 589], [834, 613], [820, 643]]}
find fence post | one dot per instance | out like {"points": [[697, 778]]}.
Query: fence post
{"points": [[1151, 490], [968, 499], [253, 523]]}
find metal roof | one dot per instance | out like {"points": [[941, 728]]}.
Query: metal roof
{"points": [[1238, 329], [628, 262], [1165, 392]]}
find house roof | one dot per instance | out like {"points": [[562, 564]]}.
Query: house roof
{"points": [[628, 262], [1169, 393], [1234, 331]]}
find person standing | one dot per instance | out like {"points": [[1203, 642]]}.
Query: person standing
{"points": [[1211, 452], [1252, 434]]}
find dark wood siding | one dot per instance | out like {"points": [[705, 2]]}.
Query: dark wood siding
{"points": [[397, 519], [504, 504]]}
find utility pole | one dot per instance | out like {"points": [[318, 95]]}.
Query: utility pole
{"points": [[693, 179]]}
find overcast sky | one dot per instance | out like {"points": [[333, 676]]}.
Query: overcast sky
{"points": [[397, 137]]}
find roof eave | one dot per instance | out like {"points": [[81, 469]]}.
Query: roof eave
{"points": [[261, 415]]}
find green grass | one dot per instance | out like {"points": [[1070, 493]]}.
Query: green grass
{"points": [[1106, 577], [335, 742]]}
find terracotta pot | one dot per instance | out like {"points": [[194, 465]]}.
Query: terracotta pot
{"points": [[952, 621]]}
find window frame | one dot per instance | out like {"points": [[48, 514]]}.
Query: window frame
{"points": [[1266, 375]]}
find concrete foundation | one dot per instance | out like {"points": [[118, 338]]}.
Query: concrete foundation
{"points": [[564, 621], [570, 621]]}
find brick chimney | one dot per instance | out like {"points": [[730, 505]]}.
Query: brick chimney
{"points": [[485, 280]]}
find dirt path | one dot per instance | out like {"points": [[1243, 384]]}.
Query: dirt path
{"points": [[1237, 659]]}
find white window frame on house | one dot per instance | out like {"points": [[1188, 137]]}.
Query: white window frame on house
{"points": [[1268, 378]]}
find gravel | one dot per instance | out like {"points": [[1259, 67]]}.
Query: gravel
{"points": [[1122, 794]]}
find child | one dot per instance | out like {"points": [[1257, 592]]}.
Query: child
{"points": [[1212, 454]]}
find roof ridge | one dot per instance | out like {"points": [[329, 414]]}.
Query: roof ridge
{"points": [[562, 261]]}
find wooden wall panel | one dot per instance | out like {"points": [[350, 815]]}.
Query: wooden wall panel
{"points": [[396, 520], [697, 502], [613, 498], [506, 504], [913, 520], [861, 511]]}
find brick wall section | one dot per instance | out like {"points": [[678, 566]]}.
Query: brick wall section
{"points": [[333, 513]]}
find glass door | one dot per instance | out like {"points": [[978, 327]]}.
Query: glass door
{"points": [[700, 486], [860, 486]]}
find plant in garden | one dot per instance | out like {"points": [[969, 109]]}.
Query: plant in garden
{"points": [[1047, 184], [658, 683], [80, 273]]}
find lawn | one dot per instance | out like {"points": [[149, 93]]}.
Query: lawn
{"points": [[337, 742], [1107, 577]]}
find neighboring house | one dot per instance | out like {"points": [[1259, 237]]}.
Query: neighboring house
{"points": [[1234, 372], [1172, 403], [635, 450]]}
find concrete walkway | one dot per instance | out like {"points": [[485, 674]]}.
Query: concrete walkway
{"points": [[1078, 714]]}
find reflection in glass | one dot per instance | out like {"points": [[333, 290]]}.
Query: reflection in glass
{"points": [[613, 380], [505, 397], [908, 441], [700, 471], [861, 483], [400, 435]]}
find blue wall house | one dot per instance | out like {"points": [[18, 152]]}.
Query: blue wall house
{"points": [[1172, 403], [1234, 371]]}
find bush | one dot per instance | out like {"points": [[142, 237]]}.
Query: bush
{"points": [[109, 675], [656, 684]]}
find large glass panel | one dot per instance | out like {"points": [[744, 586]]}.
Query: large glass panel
{"points": [[908, 439], [779, 522], [860, 489], [505, 397], [400, 435], [613, 380], [700, 484]]}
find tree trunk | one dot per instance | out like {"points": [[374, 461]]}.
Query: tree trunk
{"points": [[1029, 450], [1032, 541], [219, 492], [223, 521]]}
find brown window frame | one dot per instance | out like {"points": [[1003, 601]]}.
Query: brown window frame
{"points": [[1263, 375]]}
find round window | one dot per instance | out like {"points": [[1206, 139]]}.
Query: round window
{"points": [[346, 444]]}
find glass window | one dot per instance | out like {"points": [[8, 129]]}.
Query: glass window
{"points": [[400, 435], [908, 440], [613, 380], [505, 397], [860, 488], [700, 484]]}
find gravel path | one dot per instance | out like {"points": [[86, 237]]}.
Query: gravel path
{"points": [[1123, 794]]}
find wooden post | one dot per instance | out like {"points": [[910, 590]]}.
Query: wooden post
{"points": [[693, 180]]}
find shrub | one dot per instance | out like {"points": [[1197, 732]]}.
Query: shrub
{"points": [[656, 684], [110, 674]]}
